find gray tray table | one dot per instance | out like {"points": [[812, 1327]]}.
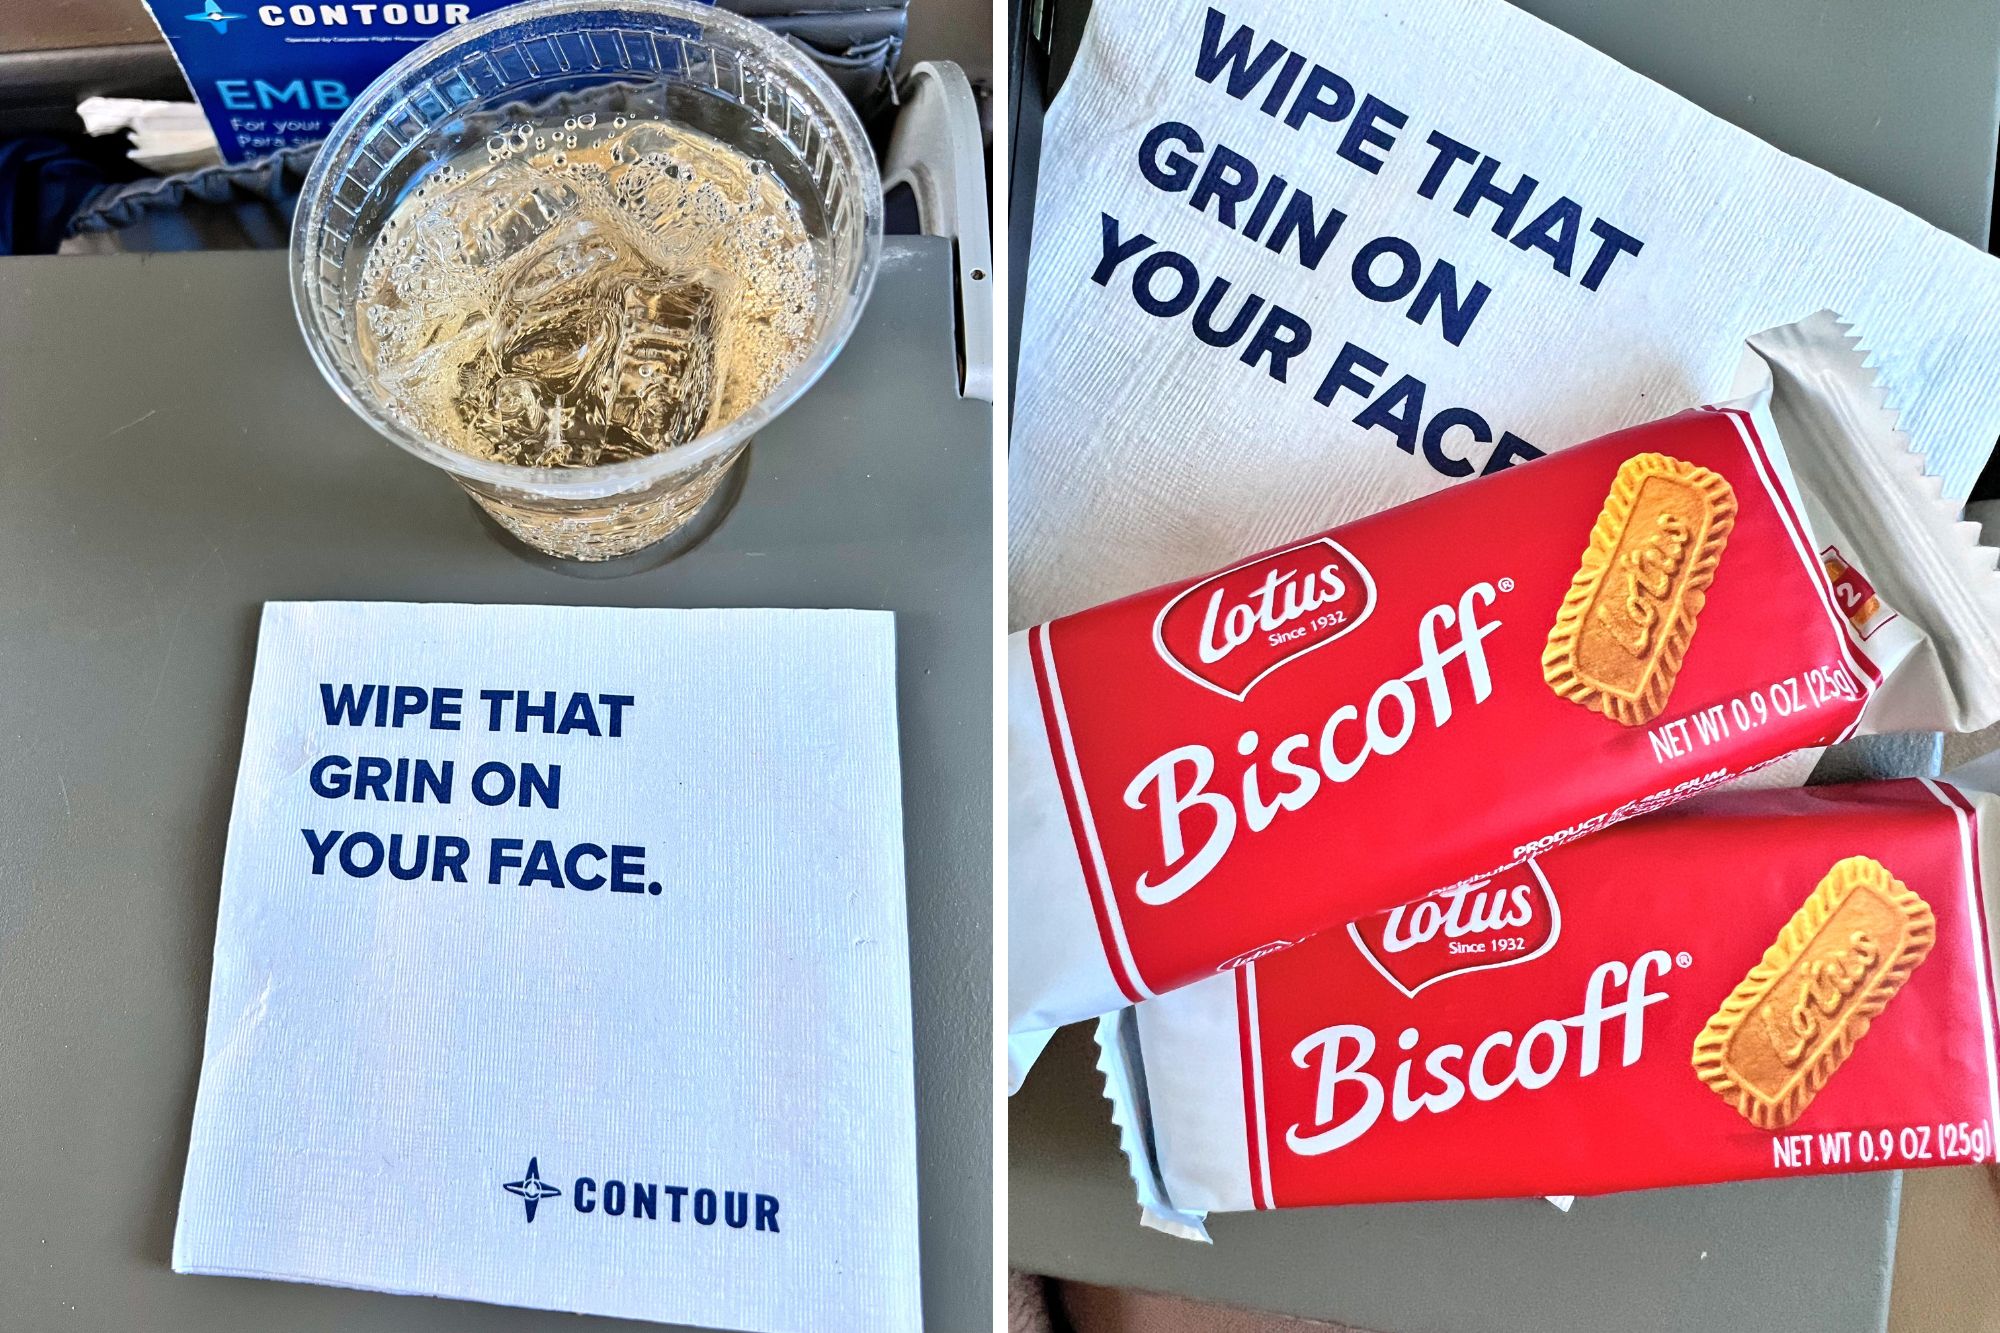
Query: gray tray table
{"points": [[169, 460]]}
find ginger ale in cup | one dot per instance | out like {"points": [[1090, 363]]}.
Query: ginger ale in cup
{"points": [[576, 252]]}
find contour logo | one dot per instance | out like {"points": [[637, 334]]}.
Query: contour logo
{"points": [[1232, 629], [214, 16], [1485, 924], [650, 1201], [532, 1188]]}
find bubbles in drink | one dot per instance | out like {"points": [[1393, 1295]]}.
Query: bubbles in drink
{"points": [[565, 298]]}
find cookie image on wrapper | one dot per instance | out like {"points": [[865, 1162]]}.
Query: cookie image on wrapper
{"points": [[1631, 610], [1792, 1023]]}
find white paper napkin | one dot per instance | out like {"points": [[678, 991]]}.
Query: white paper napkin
{"points": [[1142, 454], [681, 1092]]}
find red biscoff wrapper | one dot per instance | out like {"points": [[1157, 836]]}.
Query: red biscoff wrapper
{"points": [[1215, 770], [1753, 984]]}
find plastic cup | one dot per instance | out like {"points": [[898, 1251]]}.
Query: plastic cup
{"points": [[680, 62]]}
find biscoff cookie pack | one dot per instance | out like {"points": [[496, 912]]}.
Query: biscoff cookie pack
{"points": [[1211, 772], [1750, 985]]}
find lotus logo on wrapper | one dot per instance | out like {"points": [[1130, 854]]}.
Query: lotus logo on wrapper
{"points": [[1231, 630], [1474, 927], [1176, 784]]}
